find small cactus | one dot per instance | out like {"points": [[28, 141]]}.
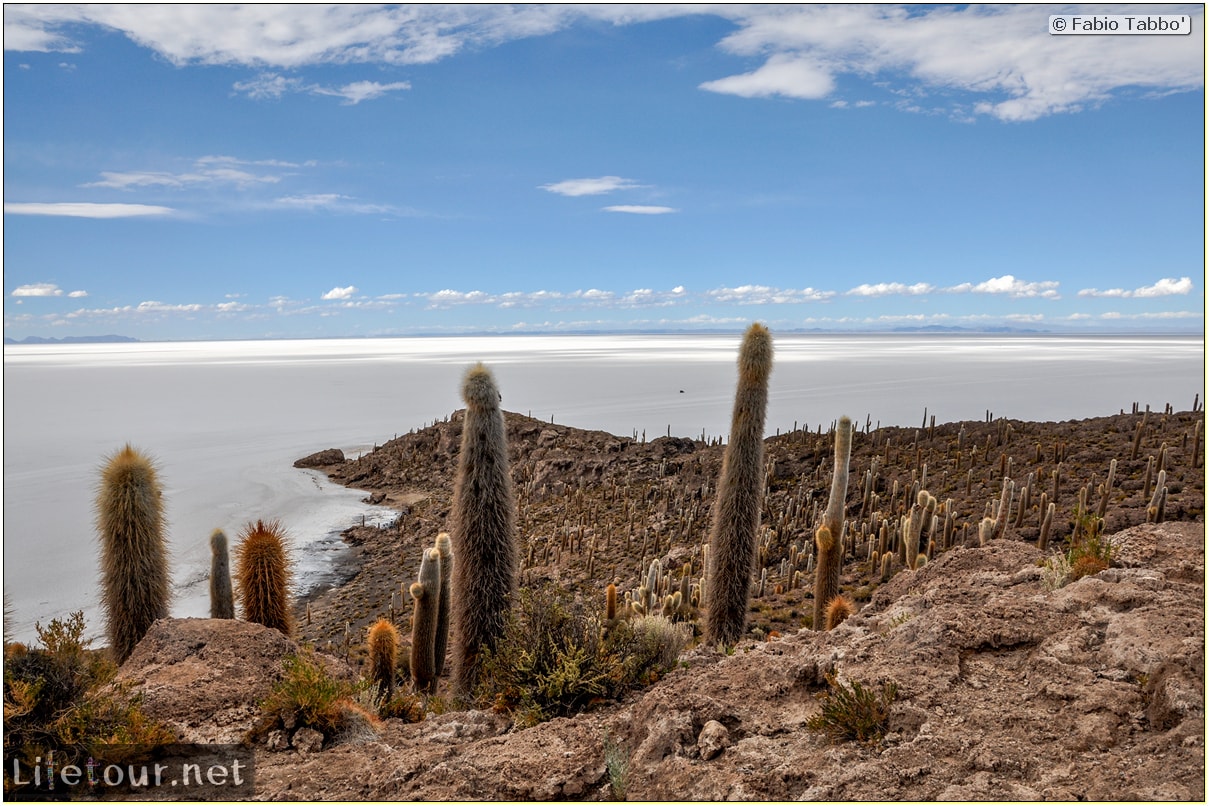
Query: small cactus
{"points": [[383, 657], [222, 598], [838, 610], [427, 593], [263, 576], [136, 587]]}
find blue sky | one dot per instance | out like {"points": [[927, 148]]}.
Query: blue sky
{"points": [[199, 172]]}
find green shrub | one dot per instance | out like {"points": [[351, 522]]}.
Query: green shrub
{"points": [[853, 713], [307, 696], [557, 659]]}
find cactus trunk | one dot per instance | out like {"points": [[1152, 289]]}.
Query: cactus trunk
{"points": [[222, 597], [263, 576], [736, 516], [427, 594], [483, 531], [827, 574], [134, 555]]}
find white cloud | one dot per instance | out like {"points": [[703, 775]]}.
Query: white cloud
{"points": [[341, 293], [1165, 287], [640, 209], [38, 290], [86, 209], [77, 294], [590, 187], [782, 74], [766, 295], [1001, 55], [887, 289], [1009, 286]]}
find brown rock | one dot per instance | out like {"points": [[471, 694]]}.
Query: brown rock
{"points": [[713, 740], [325, 458], [205, 677]]}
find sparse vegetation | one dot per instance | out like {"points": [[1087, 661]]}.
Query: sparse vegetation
{"points": [[60, 698], [556, 658], [617, 767], [853, 713], [308, 696]]}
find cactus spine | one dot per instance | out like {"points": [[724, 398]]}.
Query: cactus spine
{"points": [[427, 594], [222, 598], [444, 547], [736, 516], [263, 576], [134, 556], [383, 655], [830, 550], [483, 530]]}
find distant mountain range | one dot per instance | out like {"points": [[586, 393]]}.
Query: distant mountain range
{"points": [[71, 340]]}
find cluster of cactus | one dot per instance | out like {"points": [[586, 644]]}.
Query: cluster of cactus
{"points": [[656, 596], [425, 625]]}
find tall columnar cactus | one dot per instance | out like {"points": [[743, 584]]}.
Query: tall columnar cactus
{"points": [[483, 531], [444, 548], [263, 575], [1112, 472], [831, 549], [135, 581], [222, 598], [1005, 508], [383, 655], [921, 511], [427, 594], [736, 516]]}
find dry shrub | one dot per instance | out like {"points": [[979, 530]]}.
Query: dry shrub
{"points": [[853, 712]]}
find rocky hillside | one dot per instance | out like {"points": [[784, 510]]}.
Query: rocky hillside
{"points": [[595, 508], [1006, 690]]}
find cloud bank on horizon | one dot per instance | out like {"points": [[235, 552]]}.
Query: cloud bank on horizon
{"points": [[202, 171]]}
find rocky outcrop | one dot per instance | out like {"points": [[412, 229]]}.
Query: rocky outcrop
{"points": [[1006, 691], [325, 458]]}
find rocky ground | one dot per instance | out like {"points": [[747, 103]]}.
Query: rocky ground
{"points": [[1006, 691]]}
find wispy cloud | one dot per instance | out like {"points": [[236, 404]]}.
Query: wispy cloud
{"points": [[640, 209], [1166, 287], [556, 300], [86, 209], [336, 203], [359, 91], [272, 86], [590, 187], [766, 295], [341, 293]]}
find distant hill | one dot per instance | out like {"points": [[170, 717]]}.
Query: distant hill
{"points": [[71, 340]]}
